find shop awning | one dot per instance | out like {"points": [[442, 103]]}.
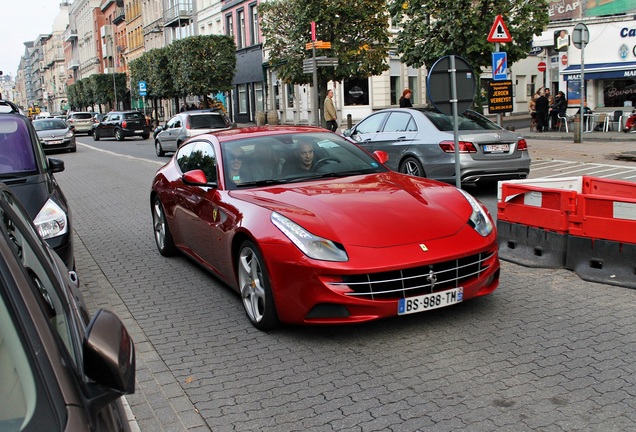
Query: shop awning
{"points": [[600, 71]]}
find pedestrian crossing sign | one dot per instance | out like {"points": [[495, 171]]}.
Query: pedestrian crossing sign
{"points": [[499, 66], [499, 32]]}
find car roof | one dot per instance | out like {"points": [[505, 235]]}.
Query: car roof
{"points": [[8, 107]]}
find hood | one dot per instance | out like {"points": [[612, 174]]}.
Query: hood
{"points": [[377, 210]]}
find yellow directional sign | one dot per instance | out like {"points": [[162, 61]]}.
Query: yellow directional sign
{"points": [[319, 45]]}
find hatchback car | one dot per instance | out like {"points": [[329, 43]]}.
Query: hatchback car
{"points": [[82, 121], [55, 134], [59, 369], [420, 142], [185, 125], [30, 175], [122, 124], [282, 215]]}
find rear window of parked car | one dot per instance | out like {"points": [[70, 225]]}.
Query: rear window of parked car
{"points": [[469, 120], [207, 121], [82, 116], [134, 116]]}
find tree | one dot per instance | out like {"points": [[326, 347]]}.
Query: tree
{"points": [[358, 32], [431, 29], [201, 65]]}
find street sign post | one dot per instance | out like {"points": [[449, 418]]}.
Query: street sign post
{"points": [[451, 89], [580, 38], [143, 88]]}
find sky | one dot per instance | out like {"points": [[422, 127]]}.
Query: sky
{"points": [[22, 21]]}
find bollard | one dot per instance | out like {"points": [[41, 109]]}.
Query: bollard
{"points": [[576, 125], [349, 121]]}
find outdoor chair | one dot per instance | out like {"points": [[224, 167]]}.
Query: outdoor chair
{"points": [[614, 119], [563, 120], [600, 122]]}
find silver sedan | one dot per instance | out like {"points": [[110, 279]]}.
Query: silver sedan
{"points": [[420, 142]]}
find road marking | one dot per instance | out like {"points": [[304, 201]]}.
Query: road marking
{"points": [[566, 168]]}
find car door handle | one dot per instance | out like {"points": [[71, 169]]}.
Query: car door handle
{"points": [[367, 140], [402, 138]]}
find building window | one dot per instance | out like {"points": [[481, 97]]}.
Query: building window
{"points": [[356, 91], [395, 90], [229, 25], [290, 95], [259, 100], [242, 98], [254, 36], [240, 36], [415, 90]]}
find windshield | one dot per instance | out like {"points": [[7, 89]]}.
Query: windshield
{"points": [[16, 148], [82, 116], [50, 124], [289, 158], [469, 120]]}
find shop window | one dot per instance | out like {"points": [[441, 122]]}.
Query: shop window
{"points": [[259, 99], [242, 98], [356, 91], [617, 92]]}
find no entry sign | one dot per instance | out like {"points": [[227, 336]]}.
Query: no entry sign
{"points": [[541, 66]]}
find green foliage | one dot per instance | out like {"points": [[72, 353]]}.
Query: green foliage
{"points": [[435, 28], [358, 32], [202, 64]]}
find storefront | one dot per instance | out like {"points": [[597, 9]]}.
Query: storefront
{"points": [[614, 83]]}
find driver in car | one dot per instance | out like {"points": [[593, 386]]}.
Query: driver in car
{"points": [[303, 160]]}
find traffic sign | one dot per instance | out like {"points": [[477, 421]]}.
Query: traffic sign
{"points": [[439, 85], [499, 32], [143, 88], [499, 66], [564, 59], [318, 44], [580, 35], [541, 66]]}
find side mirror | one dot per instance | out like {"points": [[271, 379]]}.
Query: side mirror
{"points": [[196, 178], [56, 165], [71, 127], [381, 156], [347, 133]]}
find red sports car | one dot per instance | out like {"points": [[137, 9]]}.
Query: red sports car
{"points": [[311, 229]]}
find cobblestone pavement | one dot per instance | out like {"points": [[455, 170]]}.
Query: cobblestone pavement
{"points": [[547, 351]]}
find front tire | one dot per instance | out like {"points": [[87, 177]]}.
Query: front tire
{"points": [[119, 136], [95, 135], [412, 166], [159, 149], [145, 136], [255, 288], [163, 237]]}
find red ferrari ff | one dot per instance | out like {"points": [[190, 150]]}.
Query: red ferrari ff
{"points": [[311, 229]]}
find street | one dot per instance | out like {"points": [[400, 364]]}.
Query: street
{"points": [[546, 351]]}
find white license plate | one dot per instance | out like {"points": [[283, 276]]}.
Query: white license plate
{"points": [[139, 131], [430, 301], [496, 148], [54, 142]]}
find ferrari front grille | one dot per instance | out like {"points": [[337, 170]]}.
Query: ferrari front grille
{"points": [[418, 280]]}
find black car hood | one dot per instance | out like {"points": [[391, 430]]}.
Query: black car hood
{"points": [[33, 191]]}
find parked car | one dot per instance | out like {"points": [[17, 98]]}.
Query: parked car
{"points": [[185, 125], [281, 215], [82, 121], [30, 175], [122, 124], [55, 134], [60, 370], [420, 142]]}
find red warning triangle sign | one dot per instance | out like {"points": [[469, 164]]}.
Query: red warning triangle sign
{"points": [[499, 32]]}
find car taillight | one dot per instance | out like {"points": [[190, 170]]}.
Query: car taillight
{"points": [[71, 120], [123, 124], [464, 147], [187, 123], [522, 145]]}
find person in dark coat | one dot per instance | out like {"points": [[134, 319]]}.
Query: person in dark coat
{"points": [[558, 109], [405, 100], [542, 107]]}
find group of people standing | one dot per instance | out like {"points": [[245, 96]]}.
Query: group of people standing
{"points": [[546, 110]]}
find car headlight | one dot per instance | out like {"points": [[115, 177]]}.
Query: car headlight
{"points": [[51, 221], [479, 219], [69, 134], [313, 246]]}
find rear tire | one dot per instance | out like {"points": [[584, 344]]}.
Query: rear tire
{"points": [[412, 166], [163, 237], [146, 136], [119, 136], [95, 135], [255, 287]]}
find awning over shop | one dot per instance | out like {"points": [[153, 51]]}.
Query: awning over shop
{"points": [[600, 71]]}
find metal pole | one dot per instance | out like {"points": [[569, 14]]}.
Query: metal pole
{"points": [[582, 110], [493, 76], [315, 92], [112, 38], [458, 179]]}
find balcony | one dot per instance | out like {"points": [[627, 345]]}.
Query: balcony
{"points": [[179, 14], [120, 15], [73, 64], [69, 35]]}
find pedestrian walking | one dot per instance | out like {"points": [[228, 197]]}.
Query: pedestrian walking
{"points": [[330, 112], [542, 107]]}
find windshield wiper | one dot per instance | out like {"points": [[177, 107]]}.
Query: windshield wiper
{"points": [[262, 182]]}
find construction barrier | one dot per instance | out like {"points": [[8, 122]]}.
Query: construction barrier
{"points": [[585, 224]]}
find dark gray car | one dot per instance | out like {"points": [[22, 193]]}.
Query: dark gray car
{"points": [[420, 142], [59, 369]]}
